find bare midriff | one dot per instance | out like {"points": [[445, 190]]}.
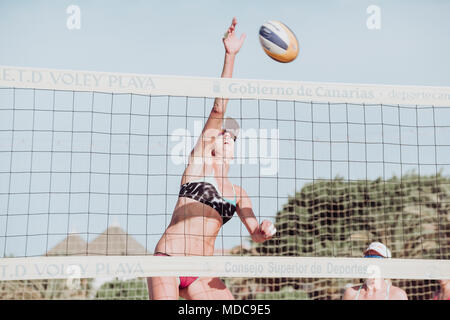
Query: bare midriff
{"points": [[192, 230]]}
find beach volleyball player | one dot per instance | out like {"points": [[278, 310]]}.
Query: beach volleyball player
{"points": [[375, 288], [207, 199]]}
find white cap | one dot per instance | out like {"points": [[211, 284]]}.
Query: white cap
{"points": [[380, 248]]}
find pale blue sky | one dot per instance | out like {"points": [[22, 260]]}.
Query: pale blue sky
{"points": [[184, 38]]}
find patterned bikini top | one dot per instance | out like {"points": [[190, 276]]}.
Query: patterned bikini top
{"points": [[207, 192]]}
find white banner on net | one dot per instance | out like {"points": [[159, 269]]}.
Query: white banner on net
{"points": [[20, 77], [64, 267]]}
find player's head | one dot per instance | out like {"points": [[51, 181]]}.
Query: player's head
{"points": [[377, 250], [225, 140]]}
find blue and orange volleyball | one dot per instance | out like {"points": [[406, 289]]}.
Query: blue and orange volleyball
{"points": [[278, 41]]}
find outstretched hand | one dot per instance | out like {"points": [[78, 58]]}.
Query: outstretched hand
{"points": [[231, 42]]}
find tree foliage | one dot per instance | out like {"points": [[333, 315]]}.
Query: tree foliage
{"points": [[134, 289], [339, 218]]}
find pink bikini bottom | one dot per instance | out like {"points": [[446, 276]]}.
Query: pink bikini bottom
{"points": [[183, 282]]}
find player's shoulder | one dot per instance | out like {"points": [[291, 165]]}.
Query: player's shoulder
{"points": [[350, 292], [398, 293]]}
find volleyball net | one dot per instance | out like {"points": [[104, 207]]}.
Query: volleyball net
{"points": [[91, 163]]}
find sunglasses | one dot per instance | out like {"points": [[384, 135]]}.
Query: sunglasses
{"points": [[373, 256]]}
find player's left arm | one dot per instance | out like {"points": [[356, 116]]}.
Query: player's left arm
{"points": [[259, 232]]}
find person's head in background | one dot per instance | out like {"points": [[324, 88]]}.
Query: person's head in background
{"points": [[375, 287], [377, 250], [380, 251]]}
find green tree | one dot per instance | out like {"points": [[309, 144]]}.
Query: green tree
{"points": [[48, 289], [338, 218]]}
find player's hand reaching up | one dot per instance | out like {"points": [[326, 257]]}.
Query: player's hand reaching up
{"points": [[231, 42]]}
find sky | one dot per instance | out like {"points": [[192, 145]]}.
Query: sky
{"points": [[184, 38], [411, 47]]}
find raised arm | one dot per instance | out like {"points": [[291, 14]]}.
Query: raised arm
{"points": [[232, 46], [259, 232], [213, 125]]}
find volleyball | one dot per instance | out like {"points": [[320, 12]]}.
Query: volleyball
{"points": [[278, 41]]}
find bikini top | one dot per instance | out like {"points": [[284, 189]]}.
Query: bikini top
{"points": [[207, 192]]}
